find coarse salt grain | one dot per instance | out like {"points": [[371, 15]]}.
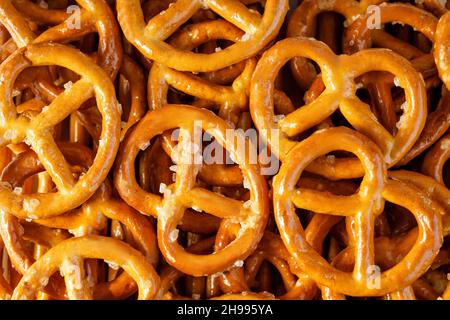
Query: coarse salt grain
{"points": [[68, 85], [145, 145], [173, 235]]}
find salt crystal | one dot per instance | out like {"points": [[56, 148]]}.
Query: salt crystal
{"points": [[173, 235], [145, 145], [68, 85]]}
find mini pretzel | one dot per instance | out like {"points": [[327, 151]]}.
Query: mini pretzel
{"points": [[183, 194], [37, 131], [434, 162], [338, 73], [441, 51], [95, 247], [361, 208], [149, 39]]}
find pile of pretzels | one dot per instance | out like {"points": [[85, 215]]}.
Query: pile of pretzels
{"points": [[107, 111]]}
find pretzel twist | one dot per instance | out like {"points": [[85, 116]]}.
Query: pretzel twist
{"points": [[360, 208], [338, 73], [183, 194], [37, 131], [95, 247]]}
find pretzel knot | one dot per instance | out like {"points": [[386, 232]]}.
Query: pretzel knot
{"points": [[96, 247], [338, 74], [169, 209], [441, 49], [37, 129], [361, 208], [303, 23], [150, 38]]}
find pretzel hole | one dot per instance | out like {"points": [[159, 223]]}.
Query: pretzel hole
{"points": [[405, 35], [329, 28], [446, 173], [382, 92]]}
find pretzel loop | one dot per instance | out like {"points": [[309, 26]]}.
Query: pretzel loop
{"points": [[37, 131], [95, 247], [338, 73]]}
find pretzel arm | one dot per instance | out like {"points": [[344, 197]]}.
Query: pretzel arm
{"points": [[53, 161], [64, 104], [236, 13], [168, 21], [325, 202]]}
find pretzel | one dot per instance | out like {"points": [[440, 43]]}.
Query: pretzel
{"points": [[338, 75], [90, 247], [183, 193], [35, 131], [149, 38], [441, 45], [360, 208], [436, 158]]}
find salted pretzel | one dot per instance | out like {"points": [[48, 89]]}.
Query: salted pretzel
{"points": [[154, 169], [183, 194], [150, 38], [338, 73], [361, 208], [96, 247], [37, 130], [441, 45], [435, 159]]}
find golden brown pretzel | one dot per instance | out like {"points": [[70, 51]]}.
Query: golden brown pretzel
{"points": [[183, 194], [36, 131], [149, 38], [95, 247], [361, 208], [338, 73]]}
